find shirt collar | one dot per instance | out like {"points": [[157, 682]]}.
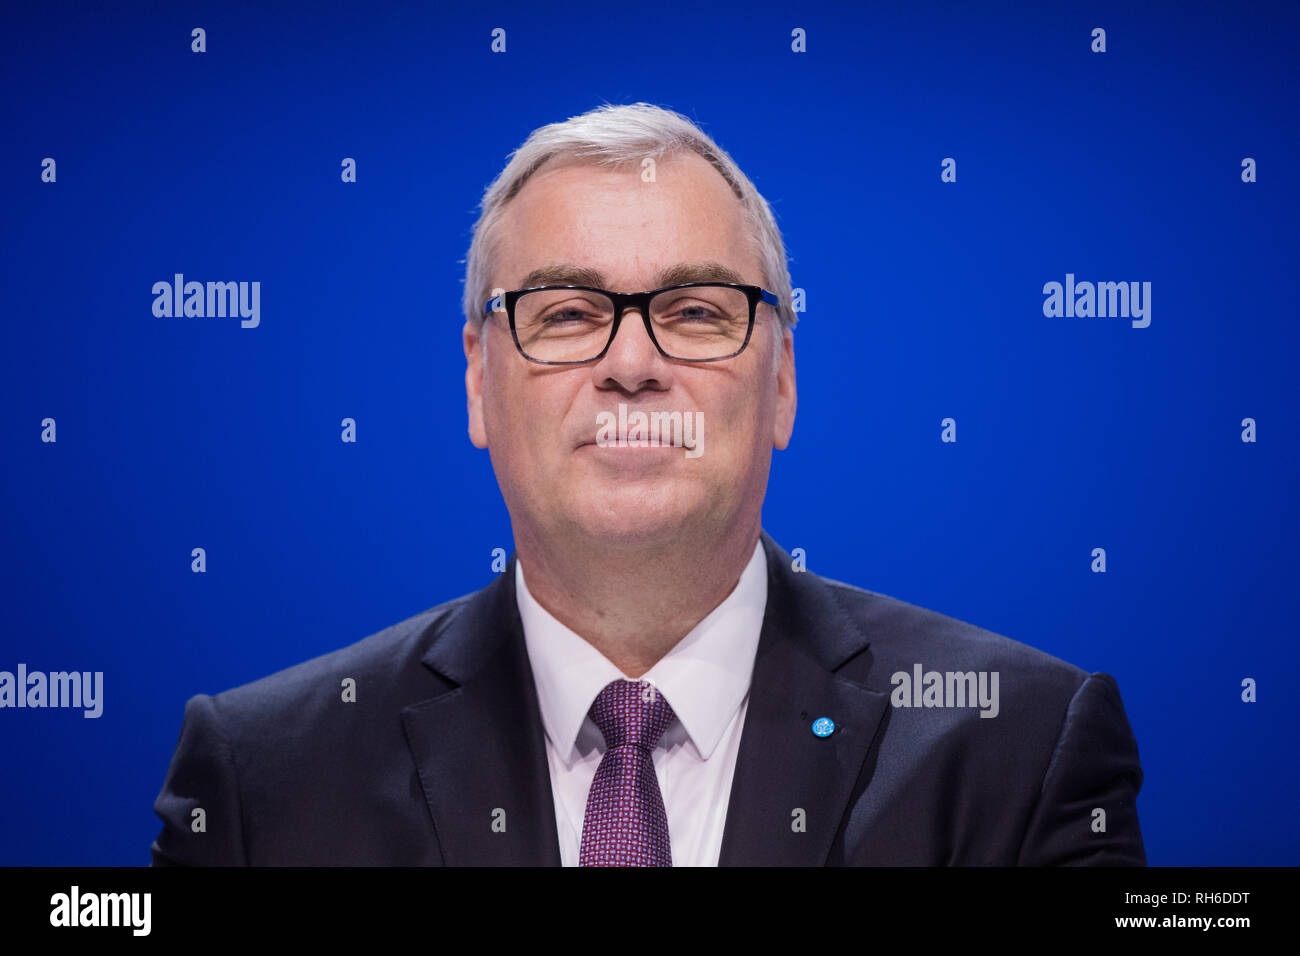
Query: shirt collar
{"points": [[704, 678]]}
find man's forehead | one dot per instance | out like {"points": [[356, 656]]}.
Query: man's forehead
{"points": [[696, 236]]}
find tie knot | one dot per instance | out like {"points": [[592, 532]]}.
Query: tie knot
{"points": [[631, 712]]}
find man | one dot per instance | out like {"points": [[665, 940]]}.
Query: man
{"points": [[652, 680]]}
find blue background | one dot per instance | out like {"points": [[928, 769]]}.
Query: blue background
{"points": [[923, 301]]}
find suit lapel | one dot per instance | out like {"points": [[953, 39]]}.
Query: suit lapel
{"points": [[479, 747], [480, 750], [787, 777]]}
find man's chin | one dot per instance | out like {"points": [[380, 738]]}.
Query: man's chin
{"points": [[638, 518]]}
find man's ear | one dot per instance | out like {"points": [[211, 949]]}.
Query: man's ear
{"points": [[783, 427], [474, 355]]}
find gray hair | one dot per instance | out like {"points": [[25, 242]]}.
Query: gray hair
{"points": [[611, 135]]}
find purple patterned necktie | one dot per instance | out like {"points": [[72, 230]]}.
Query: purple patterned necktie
{"points": [[625, 823]]}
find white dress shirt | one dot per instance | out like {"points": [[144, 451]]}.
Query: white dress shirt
{"points": [[705, 679]]}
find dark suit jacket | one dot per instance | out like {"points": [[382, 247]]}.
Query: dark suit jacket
{"points": [[445, 733]]}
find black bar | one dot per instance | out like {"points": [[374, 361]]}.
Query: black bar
{"points": [[334, 904]]}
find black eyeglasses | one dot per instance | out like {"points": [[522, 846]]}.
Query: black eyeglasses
{"points": [[573, 324]]}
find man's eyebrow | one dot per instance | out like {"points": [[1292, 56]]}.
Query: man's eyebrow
{"points": [[567, 274], [698, 272], [563, 274]]}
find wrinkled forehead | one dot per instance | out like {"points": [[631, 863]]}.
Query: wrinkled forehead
{"points": [[631, 223]]}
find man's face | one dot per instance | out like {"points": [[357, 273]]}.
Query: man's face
{"points": [[539, 422]]}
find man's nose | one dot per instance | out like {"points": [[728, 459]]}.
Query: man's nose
{"points": [[632, 361]]}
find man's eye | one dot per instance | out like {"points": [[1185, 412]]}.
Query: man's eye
{"points": [[566, 315], [695, 313]]}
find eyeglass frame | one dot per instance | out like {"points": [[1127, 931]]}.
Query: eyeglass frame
{"points": [[641, 302]]}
